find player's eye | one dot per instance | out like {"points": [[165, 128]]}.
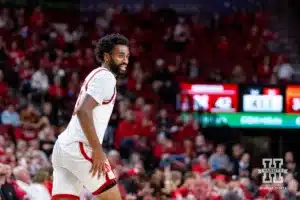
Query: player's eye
{"points": [[121, 56]]}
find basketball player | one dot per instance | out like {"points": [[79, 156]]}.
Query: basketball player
{"points": [[78, 158]]}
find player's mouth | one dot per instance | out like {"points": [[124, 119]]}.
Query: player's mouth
{"points": [[123, 67]]}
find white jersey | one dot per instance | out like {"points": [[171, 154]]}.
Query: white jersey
{"points": [[101, 85]]}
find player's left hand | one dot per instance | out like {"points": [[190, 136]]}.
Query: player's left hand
{"points": [[99, 163]]}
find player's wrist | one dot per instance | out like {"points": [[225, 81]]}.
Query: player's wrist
{"points": [[96, 146]]}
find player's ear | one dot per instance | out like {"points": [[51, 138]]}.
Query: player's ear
{"points": [[106, 57]]}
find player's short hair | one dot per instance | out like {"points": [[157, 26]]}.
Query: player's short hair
{"points": [[107, 43]]}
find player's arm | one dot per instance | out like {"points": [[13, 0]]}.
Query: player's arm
{"points": [[85, 117], [98, 89]]}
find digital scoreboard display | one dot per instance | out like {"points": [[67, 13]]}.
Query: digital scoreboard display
{"points": [[262, 99], [293, 99], [208, 97]]}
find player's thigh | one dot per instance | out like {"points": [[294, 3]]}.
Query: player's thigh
{"points": [[112, 193], [80, 164], [65, 184]]}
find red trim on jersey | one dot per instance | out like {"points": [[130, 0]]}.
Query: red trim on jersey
{"points": [[67, 196], [107, 185], [99, 70], [84, 154], [113, 96], [109, 182]]}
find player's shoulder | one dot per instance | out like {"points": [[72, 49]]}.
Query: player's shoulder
{"points": [[103, 74]]}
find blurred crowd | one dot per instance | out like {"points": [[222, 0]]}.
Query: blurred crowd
{"points": [[45, 55]]}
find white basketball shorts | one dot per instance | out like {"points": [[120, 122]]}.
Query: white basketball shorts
{"points": [[71, 166]]}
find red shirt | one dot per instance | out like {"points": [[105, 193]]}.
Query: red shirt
{"points": [[223, 46], [37, 18], [247, 194], [263, 191], [125, 129], [146, 128], [56, 91], [188, 131], [19, 192], [16, 55], [25, 134], [160, 149], [45, 62], [197, 167], [60, 40], [25, 74], [2, 151], [264, 73], [3, 89]]}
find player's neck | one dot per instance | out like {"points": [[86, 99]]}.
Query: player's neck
{"points": [[104, 65]]}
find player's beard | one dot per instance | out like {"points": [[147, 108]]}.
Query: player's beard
{"points": [[116, 69]]}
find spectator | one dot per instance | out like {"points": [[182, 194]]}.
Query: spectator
{"points": [[56, 91], [3, 51], [220, 186], [238, 75], [126, 130], [292, 190], [193, 69], [237, 151], [201, 146], [219, 160], [3, 86], [234, 191], [33, 120], [25, 73], [10, 116], [244, 165], [9, 156], [8, 189], [39, 81], [265, 70], [16, 54], [47, 140], [173, 180], [37, 189], [37, 18], [285, 72], [200, 165], [23, 179], [288, 157], [29, 115], [5, 20], [163, 122], [181, 34]]}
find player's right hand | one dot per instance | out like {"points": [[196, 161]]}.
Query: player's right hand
{"points": [[99, 163]]}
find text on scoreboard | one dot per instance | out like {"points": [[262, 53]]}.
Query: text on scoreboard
{"points": [[261, 98], [208, 97]]}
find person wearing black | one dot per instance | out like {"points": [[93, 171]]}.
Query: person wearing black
{"points": [[7, 191]]}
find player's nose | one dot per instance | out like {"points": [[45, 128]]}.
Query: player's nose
{"points": [[126, 61]]}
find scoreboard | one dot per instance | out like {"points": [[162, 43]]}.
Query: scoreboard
{"points": [[292, 99], [207, 97], [261, 99], [230, 98], [242, 106]]}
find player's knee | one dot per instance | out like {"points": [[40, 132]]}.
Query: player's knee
{"points": [[112, 193]]}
